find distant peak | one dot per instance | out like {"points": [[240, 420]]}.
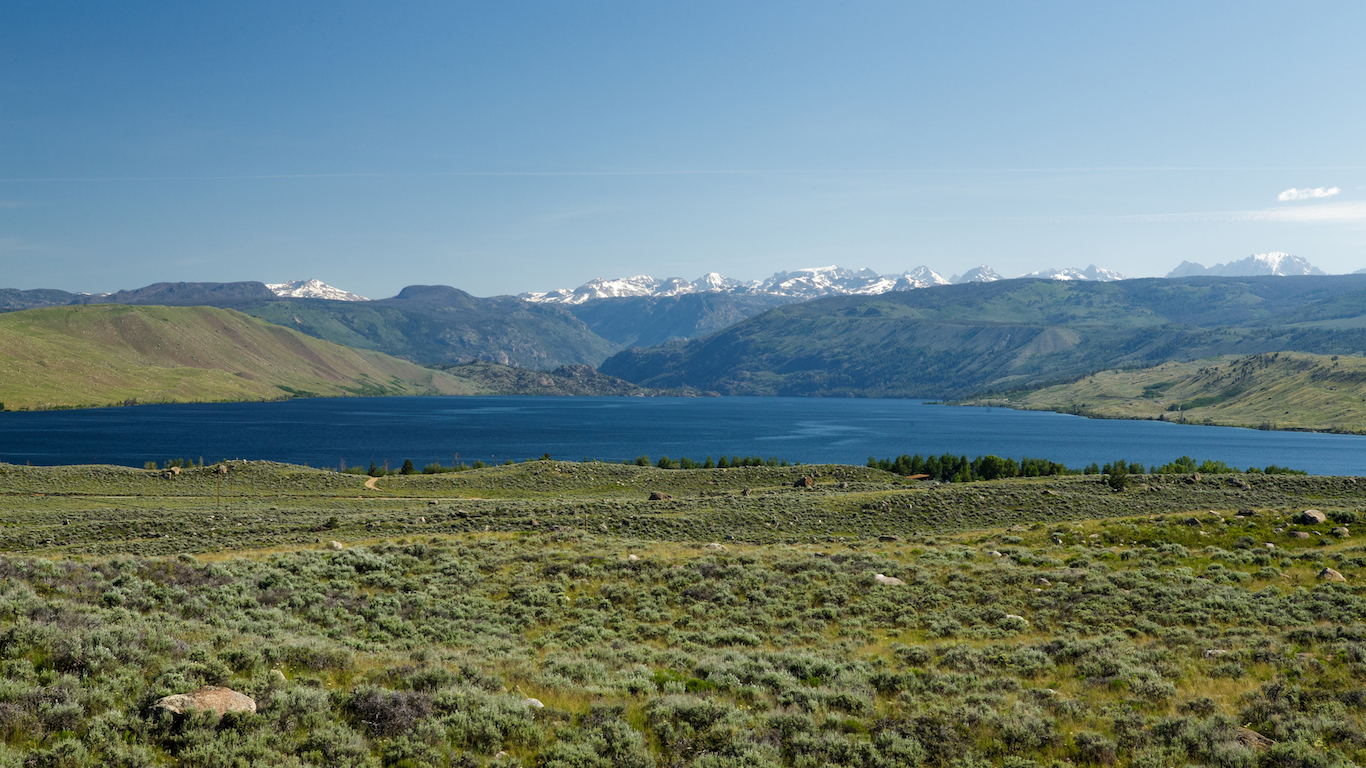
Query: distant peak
{"points": [[1277, 263], [312, 289]]}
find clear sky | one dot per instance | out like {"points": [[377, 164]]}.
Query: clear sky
{"points": [[509, 146]]}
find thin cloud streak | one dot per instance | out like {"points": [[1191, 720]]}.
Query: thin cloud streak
{"points": [[1333, 213], [696, 172]]}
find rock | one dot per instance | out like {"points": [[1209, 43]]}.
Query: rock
{"points": [[659, 496], [632, 558], [1251, 739], [1269, 545], [210, 698], [1193, 479], [888, 537], [744, 492], [716, 547], [276, 676], [1041, 581], [502, 755], [1192, 521], [337, 545], [1310, 517], [532, 703], [1299, 534], [1017, 619], [1340, 532], [890, 581], [1214, 653], [805, 482], [1328, 574], [432, 502], [994, 553]]}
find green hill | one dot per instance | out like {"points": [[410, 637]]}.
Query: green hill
{"points": [[957, 340], [1283, 390], [106, 354]]}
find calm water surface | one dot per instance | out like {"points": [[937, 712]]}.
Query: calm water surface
{"points": [[325, 432]]}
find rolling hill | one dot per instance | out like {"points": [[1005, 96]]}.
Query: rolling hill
{"points": [[94, 355], [1285, 390], [961, 339]]}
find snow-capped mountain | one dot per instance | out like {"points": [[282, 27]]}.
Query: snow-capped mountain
{"points": [[1274, 263], [982, 274], [799, 284], [312, 289], [1092, 272]]}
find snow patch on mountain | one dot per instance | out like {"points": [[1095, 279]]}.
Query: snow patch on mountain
{"points": [[798, 284], [1273, 263], [982, 274], [1092, 273], [312, 289]]}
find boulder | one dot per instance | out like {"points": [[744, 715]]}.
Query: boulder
{"points": [[1311, 517], [210, 698], [1214, 653], [532, 703], [1252, 740], [632, 558], [889, 537], [337, 545], [1041, 581], [659, 496], [1299, 534], [716, 547], [1340, 532], [890, 581], [1328, 574], [805, 482]]}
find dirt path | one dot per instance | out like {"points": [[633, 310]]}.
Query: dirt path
{"points": [[371, 483]]}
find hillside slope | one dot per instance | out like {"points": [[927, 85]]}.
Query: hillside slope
{"points": [[109, 354], [1285, 390], [437, 324], [956, 340], [646, 321]]}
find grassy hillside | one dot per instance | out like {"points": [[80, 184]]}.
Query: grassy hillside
{"points": [[1283, 390], [956, 340], [108, 354], [561, 619]]}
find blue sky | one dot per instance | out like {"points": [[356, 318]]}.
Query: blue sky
{"points": [[503, 147]]}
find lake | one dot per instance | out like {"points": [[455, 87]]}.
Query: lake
{"points": [[327, 431]]}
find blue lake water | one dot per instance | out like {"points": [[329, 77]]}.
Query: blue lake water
{"points": [[326, 432]]}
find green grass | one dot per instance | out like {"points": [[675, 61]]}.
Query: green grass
{"points": [[97, 355], [1285, 390], [1042, 620]]}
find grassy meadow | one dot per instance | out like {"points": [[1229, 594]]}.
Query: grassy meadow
{"points": [[1279, 390], [742, 621]]}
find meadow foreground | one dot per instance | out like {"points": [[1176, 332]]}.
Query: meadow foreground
{"points": [[549, 613]]}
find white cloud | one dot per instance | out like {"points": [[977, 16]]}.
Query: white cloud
{"points": [[1307, 193]]}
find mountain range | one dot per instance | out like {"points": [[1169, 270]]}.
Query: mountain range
{"points": [[797, 285], [1273, 263], [1007, 334]]}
